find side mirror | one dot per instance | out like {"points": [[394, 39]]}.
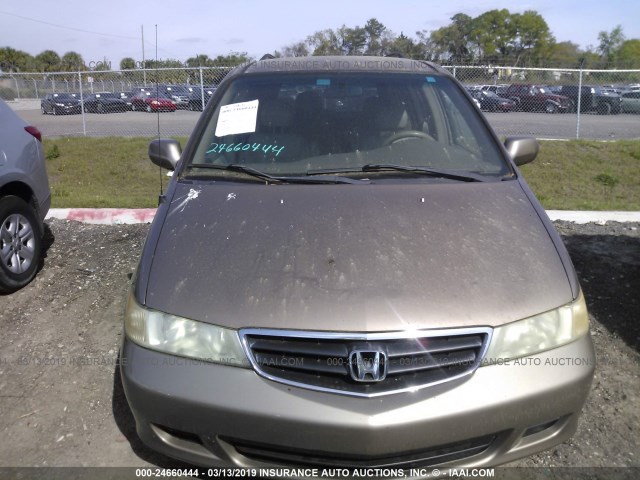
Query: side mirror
{"points": [[522, 149], [165, 152]]}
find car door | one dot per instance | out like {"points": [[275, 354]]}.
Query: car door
{"points": [[631, 102]]}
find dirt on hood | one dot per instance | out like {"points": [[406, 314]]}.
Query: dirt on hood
{"points": [[61, 400]]}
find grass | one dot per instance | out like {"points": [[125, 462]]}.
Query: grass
{"points": [[586, 175], [103, 172], [117, 172]]}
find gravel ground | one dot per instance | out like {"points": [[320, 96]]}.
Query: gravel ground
{"points": [[61, 403]]}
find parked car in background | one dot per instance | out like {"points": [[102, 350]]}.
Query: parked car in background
{"points": [[104, 102], [530, 98], [492, 102], [179, 94], [348, 270], [61, 104], [126, 98], [195, 98], [497, 89], [24, 200], [631, 102], [148, 101], [593, 99], [555, 89]]}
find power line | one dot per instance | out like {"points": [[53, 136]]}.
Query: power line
{"points": [[79, 29], [68, 28]]}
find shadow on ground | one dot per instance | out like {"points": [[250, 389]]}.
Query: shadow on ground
{"points": [[608, 267]]}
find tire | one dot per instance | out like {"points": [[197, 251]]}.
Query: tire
{"points": [[149, 108], [53, 111], [550, 107], [604, 108], [99, 108], [44, 112], [133, 107], [20, 244]]}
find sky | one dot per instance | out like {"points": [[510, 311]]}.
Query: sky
{"points": [[112, 30]]}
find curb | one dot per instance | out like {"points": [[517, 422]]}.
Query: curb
{"points": [[122, 216], [104, 216], [600, 217]]}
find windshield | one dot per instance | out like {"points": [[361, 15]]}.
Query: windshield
{"points": [[178, 90], [306, 124], [64, 96]]}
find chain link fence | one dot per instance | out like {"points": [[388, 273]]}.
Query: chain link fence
{"points": [[556, 103], [540, 102]]}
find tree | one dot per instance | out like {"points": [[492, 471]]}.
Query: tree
{"points": [[378, 37], [534, 38], [48, 61], [324, 42], [565, 54], [454, 40], [372, 39], [352, 41], [72, 62], [407, 47], [494, 32], [610, 42], [628, 54], [127, 63], [230, 60], [298, 49], [12, 60]]}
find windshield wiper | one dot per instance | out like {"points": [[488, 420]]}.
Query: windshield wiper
{"points": [[381, 167], [234, 167], [466, 177]]}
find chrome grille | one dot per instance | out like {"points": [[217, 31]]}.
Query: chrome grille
{"points": [[403, 361]]}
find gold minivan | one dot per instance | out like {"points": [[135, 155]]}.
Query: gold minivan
{"points": [[348, 270]]}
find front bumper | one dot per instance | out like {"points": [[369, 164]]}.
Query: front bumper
{"points": [[67, 109], [217, 415], [163, 107]]}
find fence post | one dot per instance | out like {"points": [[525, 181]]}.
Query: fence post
{"points": [[84, 125], [579, 103], [201, 89], [35, 86], [454, 72], [17, 87]]}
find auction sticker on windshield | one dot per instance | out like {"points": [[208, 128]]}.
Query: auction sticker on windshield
{"points": [[237, 118]]}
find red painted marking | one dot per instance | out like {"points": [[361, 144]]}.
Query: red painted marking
{"points": [[111, 215]]}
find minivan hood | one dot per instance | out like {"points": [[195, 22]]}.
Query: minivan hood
{"points": [[360, 258]]}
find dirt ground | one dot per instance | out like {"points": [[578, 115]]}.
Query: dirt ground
{"points": [[61, 403]]}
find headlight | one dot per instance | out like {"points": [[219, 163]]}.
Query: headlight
{"points": [[59, 104], [155, 102], [539, 333], [181, 336]]}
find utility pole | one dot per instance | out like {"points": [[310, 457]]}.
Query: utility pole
{"points": [[144, 72]]}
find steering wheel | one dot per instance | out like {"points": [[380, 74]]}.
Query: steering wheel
{"points": [[397, 137]]}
